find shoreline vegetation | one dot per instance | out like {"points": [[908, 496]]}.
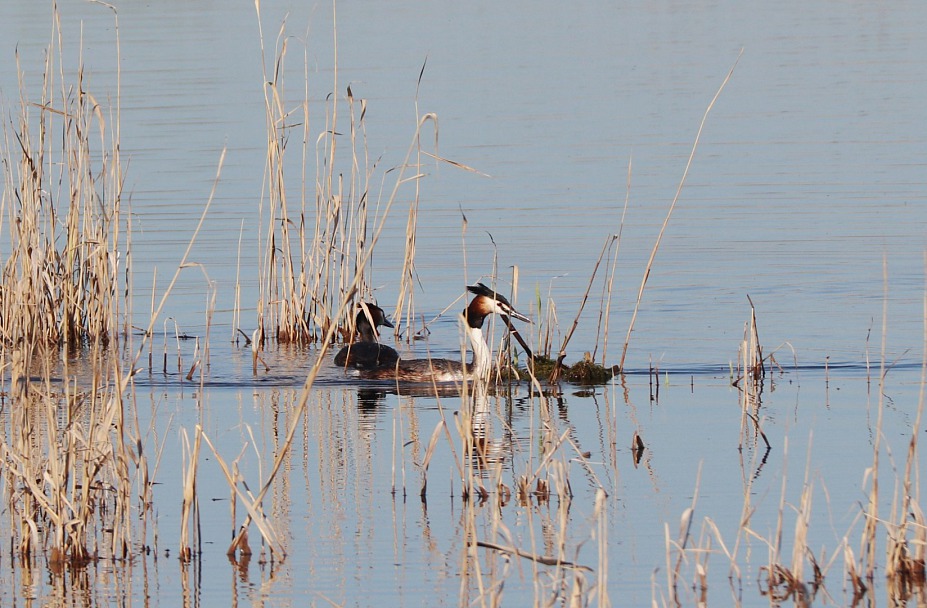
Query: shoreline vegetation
{"points": [[79, 467]]}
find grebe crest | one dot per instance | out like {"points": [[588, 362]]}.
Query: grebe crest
{"points": [[366, 352], [484, 303]]}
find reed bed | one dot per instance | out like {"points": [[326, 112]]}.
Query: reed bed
{"points": [[70, 467], [78, 472], [314, 243], [61, 216]]}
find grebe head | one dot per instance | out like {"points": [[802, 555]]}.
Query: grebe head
{"points": [[369, 317], [485, 302]]}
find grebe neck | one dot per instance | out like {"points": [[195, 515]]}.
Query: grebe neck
{"points": [[365, 332], [482, 356]]}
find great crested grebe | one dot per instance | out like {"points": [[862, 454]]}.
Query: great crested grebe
{"points": [[484, 303], [366, 352]]}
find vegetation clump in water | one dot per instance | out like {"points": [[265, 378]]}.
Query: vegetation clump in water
{"points": [[588, 372], [584, 371]]}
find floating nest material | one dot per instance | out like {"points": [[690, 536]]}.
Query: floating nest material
{"points": [[582, 372]]}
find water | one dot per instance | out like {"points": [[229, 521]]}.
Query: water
{"points": [[805, 194]]}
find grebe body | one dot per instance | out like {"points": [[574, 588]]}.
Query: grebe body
{"points": [[484, 303], [366, 352]]}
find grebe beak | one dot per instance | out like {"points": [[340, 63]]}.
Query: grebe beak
{"points": [[517, 315]]}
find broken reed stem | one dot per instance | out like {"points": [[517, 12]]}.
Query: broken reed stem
{"points": [[252, 506], [544, 560], [750, 380], [669, 213]]}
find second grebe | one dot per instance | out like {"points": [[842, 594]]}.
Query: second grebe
{"points": [[366, 352], [483, 304]]}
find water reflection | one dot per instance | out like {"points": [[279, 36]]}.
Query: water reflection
{"points": [[490, 432], [509, 475]]}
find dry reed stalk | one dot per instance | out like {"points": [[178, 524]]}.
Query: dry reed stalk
{"points": [[393, 456], [600, 514], [682, 181], [750, 379], [605, 304], [189, 510], [236, 301], [680, 544], [608, 287], [734, 575], [868, 540], [905, 567], [429, 452], [405, 302]]}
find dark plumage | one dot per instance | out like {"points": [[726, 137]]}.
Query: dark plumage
{"points": [[366, 352]]}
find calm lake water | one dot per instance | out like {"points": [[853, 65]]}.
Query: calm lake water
{"points": [[806, 194]]}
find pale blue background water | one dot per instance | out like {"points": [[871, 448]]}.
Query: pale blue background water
{"points": [[810, 172]]}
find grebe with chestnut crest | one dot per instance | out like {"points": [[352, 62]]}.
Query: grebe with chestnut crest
{"points": [[484, 303], [366, 352]]}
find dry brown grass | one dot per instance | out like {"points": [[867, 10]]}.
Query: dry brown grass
{"points": [[906, 528]]}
